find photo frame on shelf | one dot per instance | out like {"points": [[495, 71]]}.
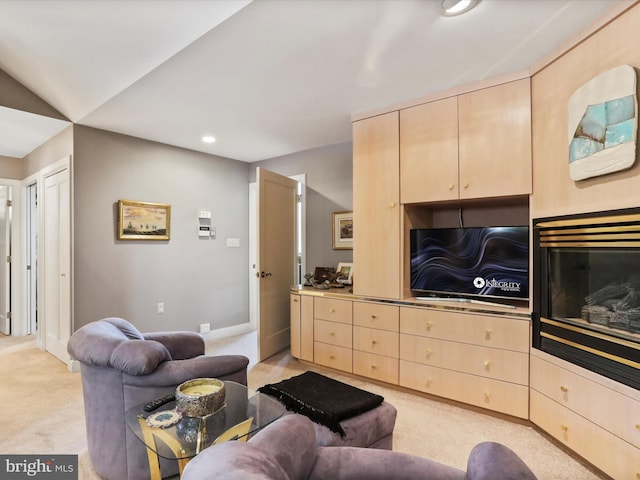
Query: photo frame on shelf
{"points": [[323, 274], [344, 273], [342, 230], [143, 220]]}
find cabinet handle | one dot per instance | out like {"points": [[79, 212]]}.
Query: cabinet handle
{"points": [[637, 426], [428, 326], [295, 300], [638, 475], [331, 334], [487, 396], [487, 334], [373, 342], [374, 317], [564, 389], [466, 185], [373, 367], [332, 310], [428, 353], [564, 427], [392, 204], [486, 364], [451, 186], [427, 382]]}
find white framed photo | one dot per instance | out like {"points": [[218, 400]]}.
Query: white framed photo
{"points": [[345, 271]]}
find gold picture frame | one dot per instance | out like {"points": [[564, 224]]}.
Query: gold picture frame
{"points": [[143, 220], [342, 230]]}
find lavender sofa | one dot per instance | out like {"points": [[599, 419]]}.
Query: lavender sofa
{"points": [[288, 450], [121, 368]]}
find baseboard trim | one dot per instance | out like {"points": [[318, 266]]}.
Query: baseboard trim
{"points": [[225, 332]]}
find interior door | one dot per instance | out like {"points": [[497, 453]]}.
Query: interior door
{"points": [[5, 255], [57, 263], [277, 259]]}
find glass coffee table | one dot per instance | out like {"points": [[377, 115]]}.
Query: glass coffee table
{"points": [[240, 417]]}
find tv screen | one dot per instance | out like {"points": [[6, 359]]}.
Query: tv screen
{"points": [[473, 261]]}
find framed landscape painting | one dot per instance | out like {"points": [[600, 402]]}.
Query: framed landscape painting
{"points": [[143, 220], [343, 230]]}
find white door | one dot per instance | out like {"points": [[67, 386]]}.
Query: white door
{"points": [[277, 259], [31, 254], [56, 252]]}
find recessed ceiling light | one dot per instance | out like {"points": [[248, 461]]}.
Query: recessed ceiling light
{"points": [[208, 139], [450, 8]]}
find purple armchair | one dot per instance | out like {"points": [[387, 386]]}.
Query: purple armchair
{"points": [[287, 450], [122, 368]]}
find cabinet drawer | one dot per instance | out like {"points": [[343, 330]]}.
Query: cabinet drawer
{"points": [[333, 333], [374, 366], [611, 410], [332, 309], [487, 393], [610, 454], [380, 342], [333, 356], [491, 331], [372, 315], [505, 365]]}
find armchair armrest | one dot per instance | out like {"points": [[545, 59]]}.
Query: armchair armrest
{"points": [[181, 345], [491, 460], [174, 372]]}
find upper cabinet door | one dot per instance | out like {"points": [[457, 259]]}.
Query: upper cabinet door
{"points": [[495, 141], [429, 152], [376, 207]]}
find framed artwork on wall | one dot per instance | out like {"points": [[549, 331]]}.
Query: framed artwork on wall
{"points": [[143, 220], [342, 230]]}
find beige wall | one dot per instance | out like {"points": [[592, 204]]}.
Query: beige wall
{"points": [[554, 191], [58, 147], [11, 168]]}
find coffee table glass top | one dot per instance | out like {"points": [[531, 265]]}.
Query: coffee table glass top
{"points": [[191, 435]]}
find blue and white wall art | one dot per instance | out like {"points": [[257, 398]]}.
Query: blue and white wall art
{"points": [[603, 124]]}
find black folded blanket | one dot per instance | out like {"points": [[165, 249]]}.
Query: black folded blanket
{"points": [[324, 400]]}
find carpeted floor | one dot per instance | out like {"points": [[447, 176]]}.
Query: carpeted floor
{"points": [[44, 412]]}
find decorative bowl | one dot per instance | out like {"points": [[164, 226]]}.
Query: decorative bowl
{"points": [[200, 396]]}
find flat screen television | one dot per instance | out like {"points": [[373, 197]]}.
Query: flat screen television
{"points": [[471, 262]]}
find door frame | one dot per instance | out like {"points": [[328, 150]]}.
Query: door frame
{"points": [[16, 252], [29, 290]]}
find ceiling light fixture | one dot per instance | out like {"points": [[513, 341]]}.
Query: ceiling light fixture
{"points": [[208, 139], [451, 8]]}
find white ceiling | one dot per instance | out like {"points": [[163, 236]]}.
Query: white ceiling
{"points": [[265, 77]]}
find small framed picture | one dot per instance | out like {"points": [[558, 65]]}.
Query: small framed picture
{"points": [[143, 220], [323, 274], [344, 273], [342, 230]]}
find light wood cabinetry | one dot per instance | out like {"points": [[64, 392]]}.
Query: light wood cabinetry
{"points": [[333, 333], [429, 152], [495, 141], [376, 207], [302, 327], [376, 341], [476, 145], [478, 359], [597, 418]]}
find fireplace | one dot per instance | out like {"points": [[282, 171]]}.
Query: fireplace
{"points": [[586, 293]]}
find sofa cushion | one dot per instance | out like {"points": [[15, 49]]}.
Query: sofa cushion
{"points": [[138, 357], [491, 460]]}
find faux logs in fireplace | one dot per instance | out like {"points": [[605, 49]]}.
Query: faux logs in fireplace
{"points": [[586, 293]]}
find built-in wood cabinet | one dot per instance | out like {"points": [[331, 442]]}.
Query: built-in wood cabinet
{"points": [[376, 207], [597, 418], [301, 327], [495, 141], [475, 145], [474, 358], [471, 357], [429, 152]]}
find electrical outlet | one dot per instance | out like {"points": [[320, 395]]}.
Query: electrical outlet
{"points": [[205, 327], [160, 307]]}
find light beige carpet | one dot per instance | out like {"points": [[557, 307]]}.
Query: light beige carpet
{"points": [[44, 412]]}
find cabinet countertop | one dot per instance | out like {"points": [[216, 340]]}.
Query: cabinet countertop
{"points": [[346, 293]]}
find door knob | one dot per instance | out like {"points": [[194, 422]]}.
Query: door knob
{"points": [[264, 274]]}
